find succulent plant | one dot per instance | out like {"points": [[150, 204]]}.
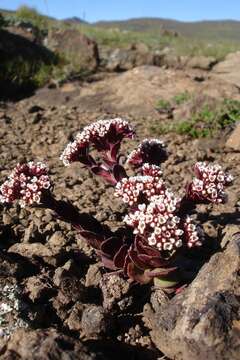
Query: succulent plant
{"points": [[159, 231]]}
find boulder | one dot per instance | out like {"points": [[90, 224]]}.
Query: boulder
{"points": [[233, 142], [168, 59], [77, 49], [203, 322], [172, 61], [201, 62], [229, 69], [126, 59]]}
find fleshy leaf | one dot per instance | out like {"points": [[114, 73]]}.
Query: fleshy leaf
{"points": [[111, 245], [136, 274], [106, 174], [120, 256], [119, 172], [165, 283]]}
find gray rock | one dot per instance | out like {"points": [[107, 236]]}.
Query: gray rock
{"points": [[115, 290], [94, 322], [90, 320], [203, 322]]}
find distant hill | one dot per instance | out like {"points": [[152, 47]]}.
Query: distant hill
{"points": [[7, 12], [74, 20], [226, 30], [220, 29]]}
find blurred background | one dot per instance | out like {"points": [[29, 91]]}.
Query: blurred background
{"points": [[169, 33]]}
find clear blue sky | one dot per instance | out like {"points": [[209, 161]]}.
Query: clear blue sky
{"points": [[93, 10]]}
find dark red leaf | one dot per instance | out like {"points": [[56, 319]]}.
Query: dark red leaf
{"points": [[135, 258], [119, 172], [114, 148], [106, 174], [151, 261], [108, 263], [120, 257], [111, 246]]}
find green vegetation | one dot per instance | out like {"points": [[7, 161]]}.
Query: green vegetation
{"points": [[2, 21], [21, 73], [180, 46], [211, 31], [181, 98], [163, 105], [117, 38], [24, 65], [207, 121], [31, 15], [194, 47]]}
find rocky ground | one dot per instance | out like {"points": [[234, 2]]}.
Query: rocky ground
{"points": [[56, 300]]}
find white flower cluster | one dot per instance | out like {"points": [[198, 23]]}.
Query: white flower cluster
{"points": [[158, 222], [100, 134], [209, 183], [72, 151], [152, 170], [129, 189], [26, 183]]}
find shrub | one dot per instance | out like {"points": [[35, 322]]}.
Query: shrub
{"points": [[159, 234], [27, 14], [24, 65]]}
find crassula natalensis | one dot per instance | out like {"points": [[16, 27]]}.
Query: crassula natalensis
{"points": [[159, 231]]}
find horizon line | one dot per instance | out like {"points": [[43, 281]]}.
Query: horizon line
{"points": [[131, 18]]}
